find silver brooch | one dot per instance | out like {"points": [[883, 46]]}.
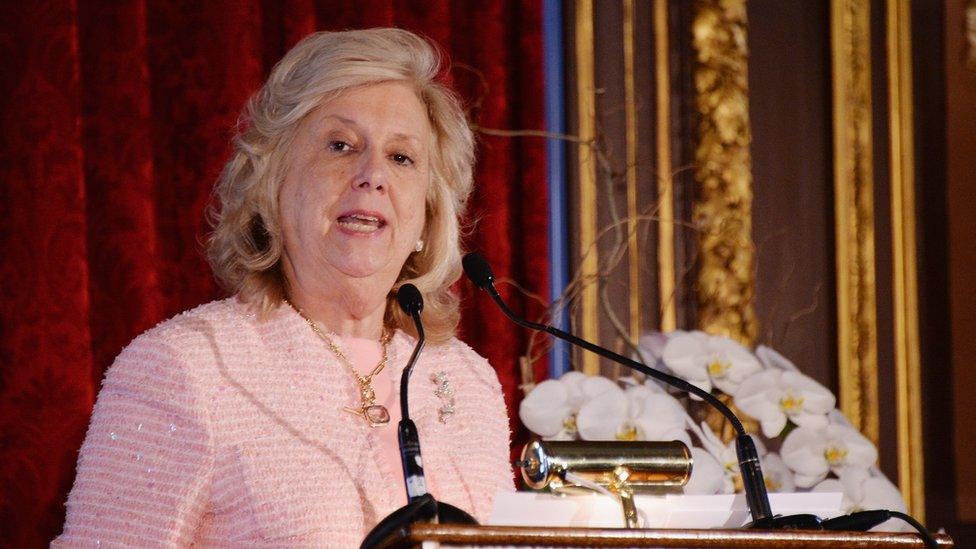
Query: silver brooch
{"points": [[445, 393]]}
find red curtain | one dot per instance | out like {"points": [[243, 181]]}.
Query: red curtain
{"points": [[116, 118]]}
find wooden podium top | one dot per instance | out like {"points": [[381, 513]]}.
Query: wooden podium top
{"points": [[450, 534]]}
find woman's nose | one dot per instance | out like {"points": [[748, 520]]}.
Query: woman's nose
{"points": [[371, 174]]}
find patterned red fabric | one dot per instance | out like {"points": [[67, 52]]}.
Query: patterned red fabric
{"points": [[115, 118]]}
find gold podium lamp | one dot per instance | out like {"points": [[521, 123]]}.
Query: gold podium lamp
{"points": [[622, 468]]}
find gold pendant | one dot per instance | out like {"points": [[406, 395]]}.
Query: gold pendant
{"points": [[375, 414]]}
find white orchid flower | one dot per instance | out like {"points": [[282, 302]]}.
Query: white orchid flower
{"points": [[812, 453], [773, 396], [708, 361], [864, 491], [724, 455], [707, 477], [650, 347], [573, 381], [593, 386], [550, 409], [640, 412], [777, 475], [655, 414], [720, 466], [772, 359], [604, 416], [652, 344], [546, 410]]}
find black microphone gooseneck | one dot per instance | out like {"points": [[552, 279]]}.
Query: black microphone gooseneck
{"points": [[478, 270], [421, 506], [412, 303]]}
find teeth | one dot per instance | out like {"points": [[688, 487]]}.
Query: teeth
{"points": [[361, 223], [361, 217], [359, 227]]}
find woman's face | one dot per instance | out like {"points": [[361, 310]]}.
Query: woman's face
{"points": [[353, 200]]}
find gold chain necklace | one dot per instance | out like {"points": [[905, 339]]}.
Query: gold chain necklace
{"points": [[376, 415]]}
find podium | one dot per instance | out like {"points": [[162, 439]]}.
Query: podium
{"points": [[482, 536]]}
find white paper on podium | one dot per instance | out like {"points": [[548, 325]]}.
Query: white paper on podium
{"points": [[671, 511]]}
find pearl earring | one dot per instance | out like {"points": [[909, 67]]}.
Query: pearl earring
{"points": [[419, 247]]}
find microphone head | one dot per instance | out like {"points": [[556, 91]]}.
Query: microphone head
{"points": [[410, 300], [478, 270]]}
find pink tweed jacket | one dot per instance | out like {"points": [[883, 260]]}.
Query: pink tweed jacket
{"points": [[216, 429]]}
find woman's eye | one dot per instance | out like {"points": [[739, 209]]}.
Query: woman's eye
{"points": [[402, 159], [339, 146]]}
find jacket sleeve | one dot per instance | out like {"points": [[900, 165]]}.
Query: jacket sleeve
{"points": [[490, 437], [144, 471]]}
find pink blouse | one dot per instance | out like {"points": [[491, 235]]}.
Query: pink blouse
{"points": [[218, 429], [365, 354]]}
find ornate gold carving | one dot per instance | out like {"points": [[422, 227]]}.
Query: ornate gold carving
{"points": [[665, 191], [854, 214], [723, 171], [586, 101], [911, 472]]}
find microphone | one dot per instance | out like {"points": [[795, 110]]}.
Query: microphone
{"points": [[421, 506], [412, 303], [479, 272]]}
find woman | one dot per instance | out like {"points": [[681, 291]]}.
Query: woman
{"points": [[270, 418]]}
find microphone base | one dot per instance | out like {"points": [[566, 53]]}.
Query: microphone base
{"points": [[393, 528], [788, 522]]}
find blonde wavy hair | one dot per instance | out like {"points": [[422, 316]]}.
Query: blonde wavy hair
{"points": [[245, 247]]}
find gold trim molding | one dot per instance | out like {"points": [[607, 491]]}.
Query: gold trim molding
{"points": [[630, 114], [723, 171], [665, 191], [586, 101], [908, 377], [850, 39]]}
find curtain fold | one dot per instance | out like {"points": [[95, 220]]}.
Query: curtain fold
{"points": [[115, 119], [124, 285], [503, 51]]}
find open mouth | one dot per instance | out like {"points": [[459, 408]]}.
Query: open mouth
{"points": [[361, 222]]}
